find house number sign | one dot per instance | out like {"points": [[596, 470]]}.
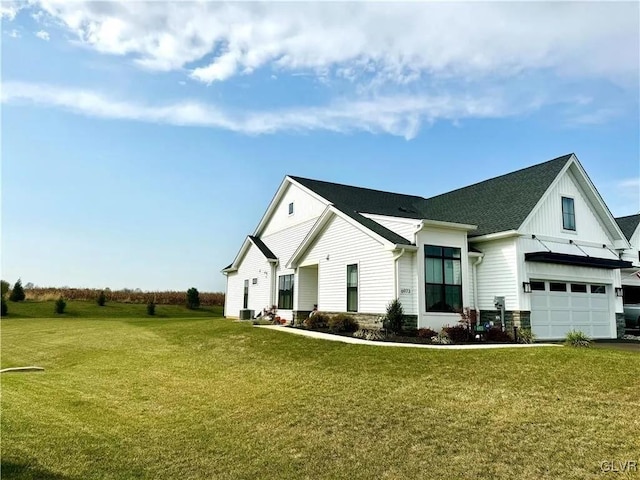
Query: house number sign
{"points": [[405, 291]]}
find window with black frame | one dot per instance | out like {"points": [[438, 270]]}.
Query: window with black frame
{"points": [[568, 214], [352, 288], [443, 279], [285, 292]]}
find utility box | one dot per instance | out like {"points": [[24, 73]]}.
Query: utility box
{"points": [[246, 314]]}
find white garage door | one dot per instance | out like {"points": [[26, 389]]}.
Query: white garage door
{"points": [[558, 307]]}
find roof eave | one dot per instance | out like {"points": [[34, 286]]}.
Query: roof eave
{"points": [[495, 236], [450, 225]]}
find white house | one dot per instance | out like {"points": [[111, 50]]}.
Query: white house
{"points": [[542, 238], [630, 226]]}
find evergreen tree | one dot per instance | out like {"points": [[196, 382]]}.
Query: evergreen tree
{"points": [[17, 294], [193, 298], [395, 317]]}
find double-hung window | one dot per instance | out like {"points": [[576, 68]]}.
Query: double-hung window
{"points": [[285, 292], [443, 279], [245, 299], [352, 288], [568, 214]]}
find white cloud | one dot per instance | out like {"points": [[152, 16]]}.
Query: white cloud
{"points": [[9, 10], [43, 35], [391, 43], [400, 115], [14, 33]]}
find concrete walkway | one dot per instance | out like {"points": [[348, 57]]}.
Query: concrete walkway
{"points": [[360, 341]]}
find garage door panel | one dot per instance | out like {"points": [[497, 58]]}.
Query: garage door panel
{"points": [[601, 331], [558, 301], [580, 307], [559, 317], [579, 303]]}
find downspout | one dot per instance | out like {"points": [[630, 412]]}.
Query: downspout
{"points": [[396, 280], [274, 283], [475, 285]]}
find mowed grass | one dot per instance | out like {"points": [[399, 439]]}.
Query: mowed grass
{"points": [[85, 309], [212, 398]]}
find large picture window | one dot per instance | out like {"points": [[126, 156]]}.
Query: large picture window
{"points": [[285, 292], [352, 288], [443, 279], [568, 214]]}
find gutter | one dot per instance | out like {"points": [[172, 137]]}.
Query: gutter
{"points": [[474, 272]]}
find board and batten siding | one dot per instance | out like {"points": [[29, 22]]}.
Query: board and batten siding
{"points": [[341, 244], [547, 217], [305, 208], [404, 227], [407, 284], [253, 265], [497, 275]]}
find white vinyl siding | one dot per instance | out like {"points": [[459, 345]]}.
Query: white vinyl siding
{"points": [[306, 207], [404, 227], [407, 283], [547, 218], [283, 244], [253, 265], [341, 244], [497, 274], [306, 294]]}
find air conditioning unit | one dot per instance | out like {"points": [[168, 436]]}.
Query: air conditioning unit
{"points": [[246, 314]]}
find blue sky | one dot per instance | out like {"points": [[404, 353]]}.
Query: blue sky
{"points": [[141, 142]]}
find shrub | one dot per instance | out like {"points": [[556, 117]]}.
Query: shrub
{"points": [[576, 338], [151, 308], [4, 289], [60, 305], [317, 321], [495, 334], [102, 299], [395, 317], [525, 335], [343, 323], [4, 311], [442, 338], [426, 333], [17, 294], [193, 298], [457, 333]]}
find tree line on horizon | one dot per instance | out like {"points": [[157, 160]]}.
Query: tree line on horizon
{"points": [[169, 297]]}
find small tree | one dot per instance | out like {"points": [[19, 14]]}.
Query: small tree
{"points": [[193, 298], [151, 308], [395, 317], [60, 305], [5, 288], [17, 294], [102, 299]]}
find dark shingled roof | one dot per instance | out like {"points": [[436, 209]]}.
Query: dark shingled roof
{"points": [[263, 248], [498, 204], [628, 224], [495, 205]]}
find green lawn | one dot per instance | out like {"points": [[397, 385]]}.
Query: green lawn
{"points": [[211, 398]]}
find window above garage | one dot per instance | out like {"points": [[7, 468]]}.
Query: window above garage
{"points": [[568, 214]]}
